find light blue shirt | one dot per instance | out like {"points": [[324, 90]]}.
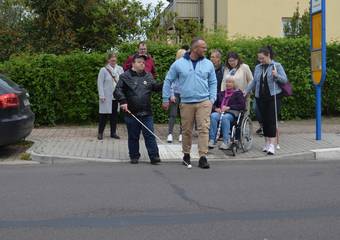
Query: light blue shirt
{"points": [[195, 85]]}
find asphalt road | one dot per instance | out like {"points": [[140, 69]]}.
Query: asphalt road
{"points": [[261, 201]]}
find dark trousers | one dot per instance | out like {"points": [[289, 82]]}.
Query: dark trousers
{"points": [[134, 128], [257, 113], [173, 112], [113, 119], [267, 110]]}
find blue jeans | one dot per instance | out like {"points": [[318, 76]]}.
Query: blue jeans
{"points": [[225, 126], [134, 128]]}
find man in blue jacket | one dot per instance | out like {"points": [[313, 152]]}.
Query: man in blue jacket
{"points": [[198, 87]]}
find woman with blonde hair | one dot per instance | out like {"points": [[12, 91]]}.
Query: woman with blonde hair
{"points": [[107, 80], [174, 104], [226, 108]]}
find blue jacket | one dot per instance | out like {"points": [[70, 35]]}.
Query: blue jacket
{"points": [[282, 78], [195, 85]]}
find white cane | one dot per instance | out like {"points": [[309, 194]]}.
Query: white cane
{"points": [[275, 106], [219, 127], [128, 111]]}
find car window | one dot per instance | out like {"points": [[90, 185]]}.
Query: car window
{"points": [[7, 82]]}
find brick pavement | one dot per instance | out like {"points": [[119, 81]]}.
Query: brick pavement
{"points": [[79, 143]]}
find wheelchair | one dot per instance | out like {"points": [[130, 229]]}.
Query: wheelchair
{"points": [[241, 136]]}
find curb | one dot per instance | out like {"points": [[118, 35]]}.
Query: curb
{"points": [[329, 154], [18, 162], [52, 159], [326, 154]]}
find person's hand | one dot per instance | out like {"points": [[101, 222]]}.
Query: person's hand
{"points": [[124, 107], [165, 106], [102, 99], [225, 108], [173, 99], [244, 93], [274, 72], [218, 110]]}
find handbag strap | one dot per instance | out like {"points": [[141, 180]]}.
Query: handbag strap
{"points": [[113, 77]]}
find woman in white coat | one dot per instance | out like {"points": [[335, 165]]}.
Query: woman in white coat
{"points": [[107, 80]]}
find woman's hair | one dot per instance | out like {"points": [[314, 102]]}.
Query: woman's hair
{"points": [[180, 53], [235, 56], [110, 55], [267, 51], [230, 80]]}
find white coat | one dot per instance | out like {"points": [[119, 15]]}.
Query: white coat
{"points": [[106, 86]]}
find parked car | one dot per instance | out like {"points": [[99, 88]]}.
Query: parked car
{"points": [[16, 117]]}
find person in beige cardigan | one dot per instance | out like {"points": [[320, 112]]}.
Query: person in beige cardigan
{"points": [[239, 72]]}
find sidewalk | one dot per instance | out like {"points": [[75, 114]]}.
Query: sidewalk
{"points": [[75, 143]]}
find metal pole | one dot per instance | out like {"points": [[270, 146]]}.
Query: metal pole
{"points": [[318, 99], [215, 16]]}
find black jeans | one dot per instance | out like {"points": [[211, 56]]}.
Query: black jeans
{"points": [[113, 119], [267, 110]]}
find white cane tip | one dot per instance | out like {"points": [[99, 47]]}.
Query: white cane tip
{"points": [[189, 166], [278, 147]]}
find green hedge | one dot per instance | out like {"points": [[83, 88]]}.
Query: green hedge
{"points": [[63, 88]]}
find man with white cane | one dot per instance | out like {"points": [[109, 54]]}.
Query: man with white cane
{"points": [[133, 92], [268, 94]]}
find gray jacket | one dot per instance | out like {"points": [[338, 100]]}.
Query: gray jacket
{"points": [[106, 85], [281, 78]]}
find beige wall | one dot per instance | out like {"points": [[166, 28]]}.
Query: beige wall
{"points": [[332, 20], [209, 13], [254, 18], [260, 18]]}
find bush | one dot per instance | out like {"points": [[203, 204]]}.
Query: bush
{"points": [[63, 88]]}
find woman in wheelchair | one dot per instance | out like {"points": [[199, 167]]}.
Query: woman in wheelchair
{"points": [[226, 108]]}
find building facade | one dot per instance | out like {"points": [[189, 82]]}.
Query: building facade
{"points": [[252, 18]]}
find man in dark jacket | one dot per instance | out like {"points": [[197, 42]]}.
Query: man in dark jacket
{"points": [[133, 92], [216, 58]]}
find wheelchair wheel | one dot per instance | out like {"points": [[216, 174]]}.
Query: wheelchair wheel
{"points": [[246, 134]]}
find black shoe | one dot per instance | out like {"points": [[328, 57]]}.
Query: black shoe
{"points": [[155, 160], [134, 161], [186, 159], [100, 136], [115, 136], [203, 162]]}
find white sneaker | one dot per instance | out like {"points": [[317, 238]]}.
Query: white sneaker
{"points": [[180, 138], [225, 146], [271, 149], [211, 144], [169, 139], [265, 148]]}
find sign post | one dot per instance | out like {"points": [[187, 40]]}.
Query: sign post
{"points": [[318, 55]]}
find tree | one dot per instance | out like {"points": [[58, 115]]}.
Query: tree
{"points": [[13, 17], [62, 26], [297, 26], [165, 26]]}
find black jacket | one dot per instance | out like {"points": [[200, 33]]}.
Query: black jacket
{"points": [[135, 89]]}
